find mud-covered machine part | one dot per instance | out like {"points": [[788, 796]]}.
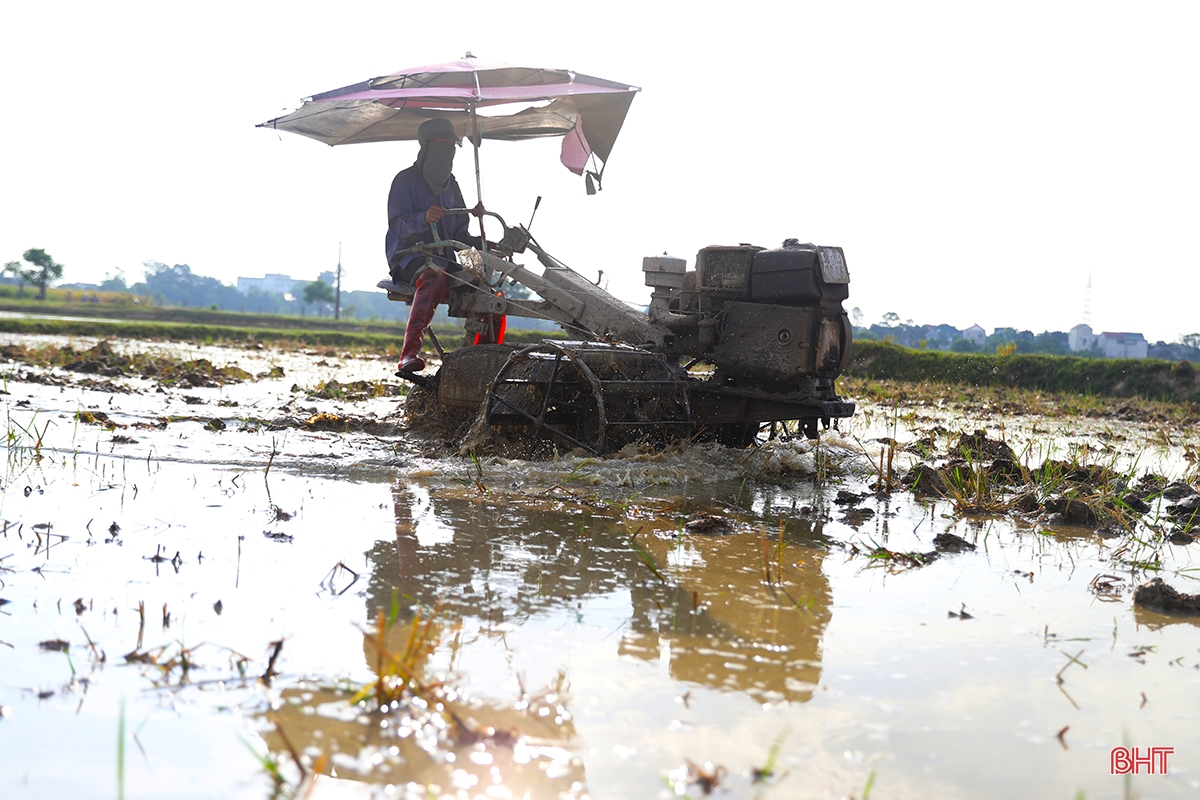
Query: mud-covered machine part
{"points": [[593, 395]]}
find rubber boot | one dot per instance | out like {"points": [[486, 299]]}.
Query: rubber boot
{"points": [[431, 288]]}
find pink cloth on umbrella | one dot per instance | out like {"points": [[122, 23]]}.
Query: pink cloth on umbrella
{"points": [[575, 148]]}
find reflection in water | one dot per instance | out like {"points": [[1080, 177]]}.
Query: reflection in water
{"points": [[1154, 620], [712, 612], [399, 748], [712, 608]]}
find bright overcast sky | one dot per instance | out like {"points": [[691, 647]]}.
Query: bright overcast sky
{"points": [[977, 162]]}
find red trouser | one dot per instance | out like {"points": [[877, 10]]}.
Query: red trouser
{"points": [[431, 288]]}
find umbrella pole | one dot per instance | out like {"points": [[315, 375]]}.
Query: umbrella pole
{"points": [[475, 141]]}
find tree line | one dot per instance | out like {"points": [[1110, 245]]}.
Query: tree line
{"points": [[1009, 340]]}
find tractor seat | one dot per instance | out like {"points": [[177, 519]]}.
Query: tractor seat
{"points": [[397, 291]]}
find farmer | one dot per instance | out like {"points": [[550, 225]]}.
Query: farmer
{"points": [[418, 200]]}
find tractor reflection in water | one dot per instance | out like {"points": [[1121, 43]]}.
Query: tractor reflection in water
{"points": [[466, 578]]}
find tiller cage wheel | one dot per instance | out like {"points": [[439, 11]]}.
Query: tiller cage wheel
{"points": [[593, 395]]}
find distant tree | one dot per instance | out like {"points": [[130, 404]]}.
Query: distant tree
{"points": [[44, 272], [856, 316], [963, 346], [177, 285], [1179, 351], [318, 292], [1051, 342], [261, 302], [1023, 340], [13, 268], [890, 320], [114, 283]]}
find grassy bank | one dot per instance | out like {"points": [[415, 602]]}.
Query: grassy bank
{"points": [[121, 306], [1146, 378], [449, 335]]}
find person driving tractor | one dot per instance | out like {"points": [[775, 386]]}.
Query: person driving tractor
{"points": [[417, 204]]}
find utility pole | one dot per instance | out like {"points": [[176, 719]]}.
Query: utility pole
{"points": [[337, 303]]}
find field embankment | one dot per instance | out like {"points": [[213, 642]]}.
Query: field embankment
{"points": [[124, 307], [197, 325], [1146, 378]]}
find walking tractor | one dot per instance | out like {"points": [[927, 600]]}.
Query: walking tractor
{"points": [[751, 337], [770, 322]]}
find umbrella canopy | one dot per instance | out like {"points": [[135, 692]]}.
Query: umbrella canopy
{"points": [[483, 100]]}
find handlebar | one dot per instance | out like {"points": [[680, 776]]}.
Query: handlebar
{"points": [[486, 213]]}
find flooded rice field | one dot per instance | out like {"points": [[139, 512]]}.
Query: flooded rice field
{"points": [[234, 573]]}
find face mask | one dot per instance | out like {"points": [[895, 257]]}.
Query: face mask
{"points": [[436, 160]]}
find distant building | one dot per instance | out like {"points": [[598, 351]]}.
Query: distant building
{"points": [[1122, 345], [1080, 339], [270, 284], [976, 335]]}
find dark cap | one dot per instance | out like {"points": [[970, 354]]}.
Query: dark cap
{"points": [[436, 128]]}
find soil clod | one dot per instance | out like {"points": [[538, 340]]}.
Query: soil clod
{"points": [[950, 543], [708, 523], [1158, 595]]}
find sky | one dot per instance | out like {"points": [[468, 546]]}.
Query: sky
{"points": [[978, 163]]}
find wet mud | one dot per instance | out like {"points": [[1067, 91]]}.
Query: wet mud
{"points": [[1157, 595], [206, 548]]}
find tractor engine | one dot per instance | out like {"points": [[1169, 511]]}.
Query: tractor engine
{"points": [[766, 318]]}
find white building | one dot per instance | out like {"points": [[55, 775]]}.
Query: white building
{"points": [[1080, 339], [271, 283], [1122, 345], [975, 334]]}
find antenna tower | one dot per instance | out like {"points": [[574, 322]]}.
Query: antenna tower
{"points": [[337, 303], [1087, 303]]}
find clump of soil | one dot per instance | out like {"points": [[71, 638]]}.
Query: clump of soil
{"points": [[710, 524], [338, 423], [355, 390], [97, 418], [925, 478], [978, 447], [105, 386], [464, 430], [1158, 595], [949, 543], [103, 360], [979, 475], [37, 377]]}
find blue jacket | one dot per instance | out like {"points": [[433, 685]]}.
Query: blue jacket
{"points": [[410, 197]]}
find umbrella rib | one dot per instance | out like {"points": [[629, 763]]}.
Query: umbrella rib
{"points": [[528, 79], [406, 79]]}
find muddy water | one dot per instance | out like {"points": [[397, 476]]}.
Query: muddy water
{"points": [[590, 641]]}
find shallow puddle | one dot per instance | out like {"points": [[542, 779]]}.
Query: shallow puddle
{"points": [[646, 625]]}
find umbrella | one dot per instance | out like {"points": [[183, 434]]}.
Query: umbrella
{"points": [[483, 100]]}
